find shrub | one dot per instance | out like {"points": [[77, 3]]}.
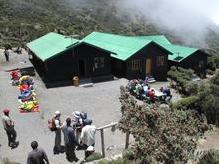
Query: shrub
{"points": [[213, 62], [182, 77], [129, 154], [8, 161], [185, 103], [209, 157], [210, 72], [94, 156]]}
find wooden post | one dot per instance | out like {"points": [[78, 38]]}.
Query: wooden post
{"points": [[127, 140], [102, 143]]}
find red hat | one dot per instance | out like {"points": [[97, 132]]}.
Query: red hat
{"points": [[6, 110]]}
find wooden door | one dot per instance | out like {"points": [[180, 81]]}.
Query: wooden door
{"points": [[148, 66]]}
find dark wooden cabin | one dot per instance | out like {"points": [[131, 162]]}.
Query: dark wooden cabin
{"points": [[196, 61], [58, 58], [132, 57], [186, 57]]}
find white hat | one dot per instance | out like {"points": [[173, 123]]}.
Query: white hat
{"points": [[57, 112], [76, 114], [90, 148]]}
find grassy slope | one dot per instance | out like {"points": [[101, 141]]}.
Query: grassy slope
{"points": [[24, 20]]}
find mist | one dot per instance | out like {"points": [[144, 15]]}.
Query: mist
{"points": [[189, 20]]}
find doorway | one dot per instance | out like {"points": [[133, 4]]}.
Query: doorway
{"points": [[148, 66], [81, 68]]}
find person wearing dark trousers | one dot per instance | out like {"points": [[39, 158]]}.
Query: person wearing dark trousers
{"points": [[8, 125], [57, 148], [70, 141], [6, 52], [37, 155]]}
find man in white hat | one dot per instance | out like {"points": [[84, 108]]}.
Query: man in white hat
{"points": [[57, 148]]}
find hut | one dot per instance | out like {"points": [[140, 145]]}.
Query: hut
{"points": [[60, 58], [132, 57], [182, 56]]}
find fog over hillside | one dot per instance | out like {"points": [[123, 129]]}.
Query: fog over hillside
{"points": [[192, 23], [190, 20]]}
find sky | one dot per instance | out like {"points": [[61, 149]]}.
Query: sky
{"points": [[184, 18]]}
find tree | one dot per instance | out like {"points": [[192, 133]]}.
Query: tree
{"points": [[163, 134]]}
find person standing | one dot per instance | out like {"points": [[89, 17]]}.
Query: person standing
{"points": [[87, 138], [58, 126], [6, 52], [70, 141], [37, 155], [8, 125]]}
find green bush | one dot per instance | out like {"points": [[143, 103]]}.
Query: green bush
{"points": [[8, 161], [209, 157], [118, 161], [182, 77], [185, 103], [94, 156], [210, 72], [213, 62], [129, 154]]}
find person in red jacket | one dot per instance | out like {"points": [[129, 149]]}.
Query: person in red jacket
{"points": [[151, 94]]}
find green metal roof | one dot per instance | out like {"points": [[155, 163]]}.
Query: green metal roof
{"points": [[159, 39], [50, 45], [178, 53], [121, 47]]}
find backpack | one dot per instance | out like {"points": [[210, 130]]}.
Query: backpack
{"points": [[51, 124]]}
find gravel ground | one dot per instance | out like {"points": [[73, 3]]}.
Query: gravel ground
{"points": [[100, 102]]}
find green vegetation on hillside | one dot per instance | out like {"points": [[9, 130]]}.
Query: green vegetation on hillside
{"points": [[25, 20]]}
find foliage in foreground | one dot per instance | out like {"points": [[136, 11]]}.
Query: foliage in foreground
{"points": [[163, 135], [8, 161], [94, 156], [210, 157]]}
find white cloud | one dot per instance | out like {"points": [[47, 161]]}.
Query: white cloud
{"points": [[189, 19]]}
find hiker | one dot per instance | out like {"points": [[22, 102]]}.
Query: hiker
{"points": [[8, 125], [87, 137], [37, 155], [166, 92], [58, 126], [70, 141], [6, 52], [151, 95], [18, 50]]}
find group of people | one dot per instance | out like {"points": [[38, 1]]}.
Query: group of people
{"points": [[78, 131], [142, 90], [7, 52]]}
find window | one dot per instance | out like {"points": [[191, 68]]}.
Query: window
{"points": [[99, 62], [160, 61], [201, 64], [136, 64]]}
